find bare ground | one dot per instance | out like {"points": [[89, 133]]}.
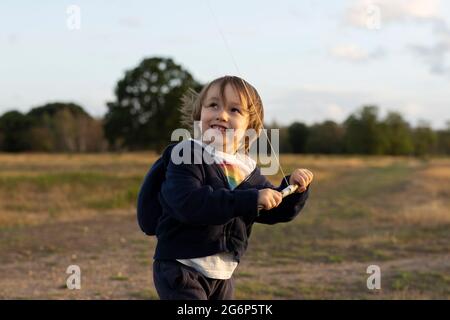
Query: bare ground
{"points": [[396, 219]]}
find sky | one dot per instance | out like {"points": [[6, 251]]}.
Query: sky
{"points": [[309, 60]]}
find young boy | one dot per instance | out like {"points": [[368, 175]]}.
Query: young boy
{"points": [[205, 209]]}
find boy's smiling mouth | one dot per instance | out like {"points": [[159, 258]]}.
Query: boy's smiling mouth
{"points": [[219, 127]]}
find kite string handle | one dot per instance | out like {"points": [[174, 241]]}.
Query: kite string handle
{"points": [[290, 189]]}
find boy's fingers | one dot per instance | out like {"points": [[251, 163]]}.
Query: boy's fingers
{"points": [[272, 204], [308, 177], [279, 199], [302, 177], [309, 174], [276, 199], [304, 185], [308, 180], [302, 181]]}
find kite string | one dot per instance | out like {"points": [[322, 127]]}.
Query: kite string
{"points": [[245, 87]]}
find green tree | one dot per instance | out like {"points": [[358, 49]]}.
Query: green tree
{"points": [[65, 127], [443, 140], [398, 135], [50, 110], [145, 111], [283, 136], [363, 132], [15, 131], [41, 139], [326, 137], [424, 139], [298, 135]]}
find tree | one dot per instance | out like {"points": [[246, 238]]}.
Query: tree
{"points": [[41, 139], [65, 127], [443, 140], [363, 132], [50, 110], [424, 139], [298, 135], [326, 137], [146, 108], [15, 131], [398, 135], [283, 143]]}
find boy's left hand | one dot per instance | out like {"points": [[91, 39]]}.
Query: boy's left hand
{"points": [[301, 177]]}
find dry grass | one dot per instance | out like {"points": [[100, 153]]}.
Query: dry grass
{"points": [[59, 209]]}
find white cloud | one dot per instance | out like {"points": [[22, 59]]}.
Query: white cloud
{"points": [[412, 109], [12, 39], [131, 22], [314, 104], [435, 55], [335, 112], [349, 52], [353, 52], [361, 13]]}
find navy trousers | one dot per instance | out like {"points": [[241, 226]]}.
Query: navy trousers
{"points": [[176, 281]]}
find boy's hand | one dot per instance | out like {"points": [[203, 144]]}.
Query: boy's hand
{"points": [[301, 177], [269, 198]]}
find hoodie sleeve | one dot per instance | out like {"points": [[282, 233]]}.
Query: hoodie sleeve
{"points": [[191, 201], [288, 209]]}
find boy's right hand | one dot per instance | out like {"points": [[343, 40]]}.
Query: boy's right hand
{"points": [[269, 198]]}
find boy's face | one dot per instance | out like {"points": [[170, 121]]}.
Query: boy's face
{"points": [[217, 116]]}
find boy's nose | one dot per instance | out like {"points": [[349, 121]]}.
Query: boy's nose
{"points": [[221, 115]]}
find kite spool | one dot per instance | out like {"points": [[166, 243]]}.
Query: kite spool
{"points": [[290, 189]]}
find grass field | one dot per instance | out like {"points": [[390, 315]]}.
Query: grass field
{"points": [[58, 210]]}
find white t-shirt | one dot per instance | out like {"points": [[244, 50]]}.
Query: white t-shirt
{"points": [[236, 168]]}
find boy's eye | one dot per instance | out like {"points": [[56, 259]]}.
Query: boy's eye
{"points": [[213, 104], [236, 109]]}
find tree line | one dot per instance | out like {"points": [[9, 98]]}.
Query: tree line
{"points": [[363, 132], [145, 111], [54, 127]]}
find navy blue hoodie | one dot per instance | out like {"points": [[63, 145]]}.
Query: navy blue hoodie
{"points": [[193, 212]]}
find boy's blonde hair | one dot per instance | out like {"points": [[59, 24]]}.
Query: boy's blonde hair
{"points": [[192, 102]]}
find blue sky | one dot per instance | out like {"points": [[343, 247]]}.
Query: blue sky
{"points": [[309, 60]]}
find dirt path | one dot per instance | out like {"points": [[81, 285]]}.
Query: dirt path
{"points": [[115, 261], [113, 255]]}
